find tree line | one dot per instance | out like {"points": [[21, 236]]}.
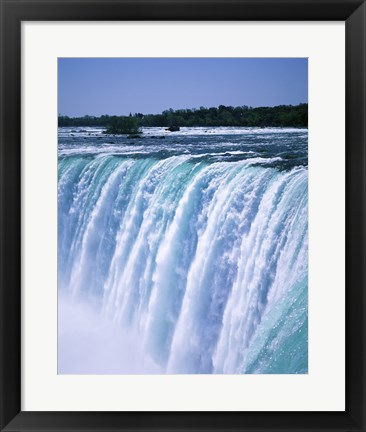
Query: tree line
{"points": [[278, 116]]}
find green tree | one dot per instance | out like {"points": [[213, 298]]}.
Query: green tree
{"points": [[123, 125]]}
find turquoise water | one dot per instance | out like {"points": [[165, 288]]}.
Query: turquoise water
{"points": [[194, 245]]}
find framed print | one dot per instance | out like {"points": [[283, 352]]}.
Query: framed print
{"points": [[182, 223]]}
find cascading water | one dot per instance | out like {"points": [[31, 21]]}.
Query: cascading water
{"points": [[194, 251]]}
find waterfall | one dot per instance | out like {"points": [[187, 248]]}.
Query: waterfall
{"points": [[202, 262]]}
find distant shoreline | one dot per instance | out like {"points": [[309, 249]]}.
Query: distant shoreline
{"points": [[226, 116]]}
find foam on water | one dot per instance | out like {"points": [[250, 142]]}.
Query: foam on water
{"points": [[184, 131]]}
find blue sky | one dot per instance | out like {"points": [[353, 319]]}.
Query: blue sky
{"points": [[119, 86]]}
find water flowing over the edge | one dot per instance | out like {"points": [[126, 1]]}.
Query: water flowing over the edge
{"points": [[203, 265]]}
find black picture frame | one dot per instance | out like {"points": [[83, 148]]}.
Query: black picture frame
{"points": [[13, 12]]}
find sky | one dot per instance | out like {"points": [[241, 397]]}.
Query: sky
{"points": [[119, 86]]}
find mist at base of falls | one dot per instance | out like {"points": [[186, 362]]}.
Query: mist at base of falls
{"points": [[90, 344]]}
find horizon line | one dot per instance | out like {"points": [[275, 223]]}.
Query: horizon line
{"points": [[182, 109]]}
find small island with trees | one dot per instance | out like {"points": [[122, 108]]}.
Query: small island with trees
{"points": [[242, 116]]}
